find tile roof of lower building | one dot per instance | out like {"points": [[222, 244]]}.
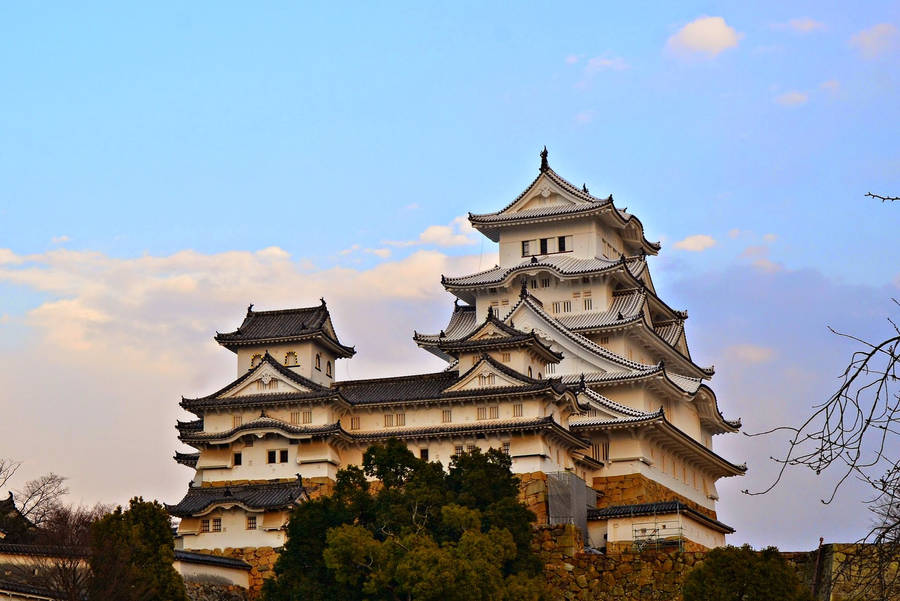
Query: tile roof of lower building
{"points": [[625, 308], [211, 560], [188, 459], [8, 586], [262, 422], [659, 508], [563, 265], [262, 497]]}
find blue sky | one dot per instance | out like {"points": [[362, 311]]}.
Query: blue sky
{"points": [[161, 166]]}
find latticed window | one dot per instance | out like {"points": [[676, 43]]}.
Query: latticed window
{"points": [[446, 416], [290, 358], [458, 450], [307, 416], [506, 447], [482, 413], [295, 417], [470, 447], [388, 420], [567, 306], [505, 357], [236, 421], [494, 412], [556, 306], [517, 410], [204, 525], [251, 522], [217, 525], [400, 419], [354, 423], [551, 368], [588, 304]]}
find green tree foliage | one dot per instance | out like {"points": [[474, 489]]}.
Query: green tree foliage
{"points": [[418, 534], [742, 574], [131, 555]]}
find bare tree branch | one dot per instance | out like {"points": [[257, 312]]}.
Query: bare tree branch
{"points": [[8, 469], [40, 497], [882, 198]]}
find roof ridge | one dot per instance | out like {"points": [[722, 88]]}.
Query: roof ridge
{"points": [[433, 374]]}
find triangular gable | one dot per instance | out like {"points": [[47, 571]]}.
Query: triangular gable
{"points": [[485, 374], [572, 345], [265, 378], [328, 328], [544, 192]]}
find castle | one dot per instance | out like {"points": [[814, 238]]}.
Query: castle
{"points": [[562, 355]]}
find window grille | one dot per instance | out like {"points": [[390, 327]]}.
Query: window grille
{"points": [[295, 417], [517, 410], [388, 420], [236, 421], [354, 423], [204, 525], [400, 419], [482, 413], [494, 412], [445, 416], [506, 447], [217, 525], [307, 416], [251, 522]]}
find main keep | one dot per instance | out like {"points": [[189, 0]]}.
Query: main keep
{"points": [[562, 356]]}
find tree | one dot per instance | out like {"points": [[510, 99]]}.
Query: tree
{"points": [[131, 555], [742, 574], [419, 533], [40, 498]]}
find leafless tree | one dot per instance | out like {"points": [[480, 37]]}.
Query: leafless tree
{"points": [[882, 198], [40, 497]]}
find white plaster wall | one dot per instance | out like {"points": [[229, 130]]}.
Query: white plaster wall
{"points": [[669, 525], [584, 234], [306, 352], [234, 532]]}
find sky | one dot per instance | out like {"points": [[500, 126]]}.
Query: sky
{"points": [[162, 166]]}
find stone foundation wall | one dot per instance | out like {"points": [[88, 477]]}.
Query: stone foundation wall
{"points": [[533, 494], [215, 592], [633, 489]]}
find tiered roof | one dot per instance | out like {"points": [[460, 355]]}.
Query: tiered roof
{"points": [[583, 204], [286, 325], [660, 508]]}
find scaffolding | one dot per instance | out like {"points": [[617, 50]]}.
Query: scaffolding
{"points": [[658, 533], [568, 499]]}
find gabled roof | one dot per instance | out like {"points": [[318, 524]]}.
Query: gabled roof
{"points": [[217, 399], [580, 203], [627, 306], [14, 525], [525, 382], [259, 497], [286, 325], [494, 334], [660, 508]]}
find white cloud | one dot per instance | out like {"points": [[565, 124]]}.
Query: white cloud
{"points": [[60, 239], [696, 243], [734, 233], [9, 257], [349, 250], [801, 25], [413, 206], [572, 59], [750, 353], [832, 85], [384, 253], [705, 36], [792, 98], [759, 257], [770, 237], [605, 63], [875, 41], [585, 117], [458, 232]]}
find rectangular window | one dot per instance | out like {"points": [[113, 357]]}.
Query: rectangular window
{"points": [[526, 248], [283, 456], [494, 412], [217, 525], [307, 416], [482, 413], [446, 416], [504, 302], [238, 459], [458, 450], [423, 454], [551, 368], [545, 282], [492, 290], [251, 522], [567, 306], [506, 447], [517, 410], [588, 304], [495, 304], [604, 340], [605, 450], [270, 457], [556, 306], [576, 295], [400, 419], [204, 525], [470, 448], [504, 357], [544, 246], [388, 420], [236, 421], [354, 423], [534, 283], [295, 417]]}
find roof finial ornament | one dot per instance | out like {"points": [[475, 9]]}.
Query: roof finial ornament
{"points": [[621, 317], [490, 312], [544, 164], [534, 259], [322, 300], [455, 302], [524, 291], [250, 309], [581, 381], [442, 334], [584, 189]]}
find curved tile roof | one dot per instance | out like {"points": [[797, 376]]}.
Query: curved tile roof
{"points": [[626, 307], [663, 507], [264, 423], [274, 496], [563, 265]]}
